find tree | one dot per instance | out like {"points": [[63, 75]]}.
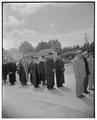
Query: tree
{"points": [[26, 47], [92, 47], [67, 49], [86, 44], [55, 44], [42, 45]]}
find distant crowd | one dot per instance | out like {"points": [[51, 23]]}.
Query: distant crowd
{"points": [[43, 69]]}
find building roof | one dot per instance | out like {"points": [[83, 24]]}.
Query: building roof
{"points": [[69, 53], [45, 52], [31, 54]]}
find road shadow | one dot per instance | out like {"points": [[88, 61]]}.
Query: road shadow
{"points": [[24, 87], [91, 95], [6, 83], [39, 89], [9, 85], [56, 92], [65, 89], [88, 101]]}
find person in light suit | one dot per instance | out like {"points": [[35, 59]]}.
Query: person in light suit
{"points": [[91, 69], [80, 73]]}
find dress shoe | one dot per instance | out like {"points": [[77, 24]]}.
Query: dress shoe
{"points": [[86, 92], [91, 88], [80, 97], [60, 86], [83, 95]]}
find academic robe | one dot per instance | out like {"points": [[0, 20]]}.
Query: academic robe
{"points": [[23, 72], [42, 71], [59, 72], [30, 69], [80, 73], [18, 71], [4, 71], [36, 73], [12, 72], [91, 76], [50, 65]]}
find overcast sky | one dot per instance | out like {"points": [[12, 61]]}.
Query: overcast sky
{"points": [[37, 22]]}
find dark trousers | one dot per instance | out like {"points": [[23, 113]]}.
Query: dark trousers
{"points": [[20, 77], [43, 79], [59, 78], [23, 80], [86, 83], [24, 83], [50, 81], [4, 77], [12, 78], [36, 80]]}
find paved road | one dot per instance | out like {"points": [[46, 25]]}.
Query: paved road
{"points": [[29, 102]]}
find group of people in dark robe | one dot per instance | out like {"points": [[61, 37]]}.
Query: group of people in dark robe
{"points": [[55, 67], [41, 71], [37, 70]]}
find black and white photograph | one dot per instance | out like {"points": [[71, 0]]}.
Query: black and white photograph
{"points": [[48, 59]]}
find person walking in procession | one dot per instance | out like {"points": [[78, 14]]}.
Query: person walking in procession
{"points": [[59, 71], [30, 69], [50, 69], [23, 72], [4, 70], [36, 72], [80, 73], [12, 71], [43, 70]]}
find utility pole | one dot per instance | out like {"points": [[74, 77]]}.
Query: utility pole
{"points": [[86, 41], [86, 38]]}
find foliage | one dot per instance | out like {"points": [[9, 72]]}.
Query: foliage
{"points": [[89, 47], [42, 45], [55, 44], [26, 47], [67, 49]]}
